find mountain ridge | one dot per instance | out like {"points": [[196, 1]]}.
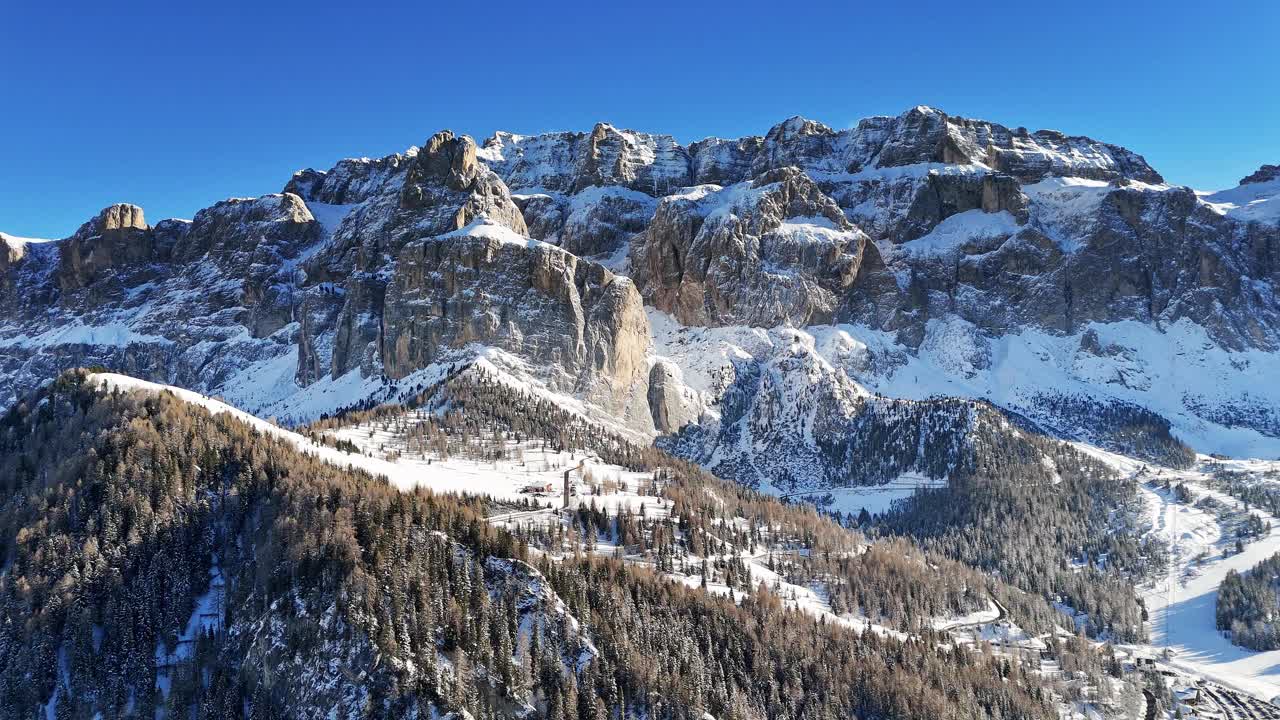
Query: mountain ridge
{"points": [[924, 236]]}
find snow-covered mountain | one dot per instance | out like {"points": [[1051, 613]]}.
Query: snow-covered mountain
{"points": [[756, 297], [898, 322]]}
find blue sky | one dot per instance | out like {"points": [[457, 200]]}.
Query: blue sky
{"points": [[175, 107]]}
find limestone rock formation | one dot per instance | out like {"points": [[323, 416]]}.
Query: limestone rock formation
{"points": [[934, 236], [430, 192], [1266, 173], [672, 405], [597, 221], [116, 237], [260, 241], [927, 135], [771, 251], [568, 162], [488, 285]]}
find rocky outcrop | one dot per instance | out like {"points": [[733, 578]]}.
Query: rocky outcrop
{"points": [[718, 161], [117, 237], [773, 251], [596, 221], [927, 135], [438, 190], [488, 285], [1266, 173], [11, 251], [671, 404], [443, 170], [120, 216], [1155, 256], [350, 181], [800, 142], [569, 162], [944, 195], [260, 242]]}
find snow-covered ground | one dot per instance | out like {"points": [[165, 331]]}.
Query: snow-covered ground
{"points": [[533, 474], [873, 498], [502, 480], [1175, 371], [1181, 605], [960, 229], [1258, 201]]}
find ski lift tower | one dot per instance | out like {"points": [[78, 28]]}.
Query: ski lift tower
{"points": [[568, 485]]}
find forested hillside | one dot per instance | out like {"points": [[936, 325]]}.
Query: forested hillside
{"points": [[1044, 517], [1248, 605], [156, 556]]}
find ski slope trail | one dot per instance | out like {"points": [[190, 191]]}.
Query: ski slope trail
{"points": [[1182, 604]]}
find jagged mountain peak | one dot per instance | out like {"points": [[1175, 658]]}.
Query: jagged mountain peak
{"points": [[799, 125], [1266, 173], [899, 224], [656, 164]]}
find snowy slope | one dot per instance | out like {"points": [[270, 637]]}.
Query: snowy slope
{"points": [[1183, 603], [529, 467], [500, 480], [1202, 388], [1256, 201]]}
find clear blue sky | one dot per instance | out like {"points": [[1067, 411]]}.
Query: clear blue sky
{"points": [[174, 108]]}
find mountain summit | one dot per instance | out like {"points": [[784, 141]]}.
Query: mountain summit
{"points": [[591, 263]]}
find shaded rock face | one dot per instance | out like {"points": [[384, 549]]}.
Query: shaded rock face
{"points": [[259, 241], [11, 254], [1151, 256], [596, 221], [716, 161], [117, 238], [947, 195], [1266, 173], [773, 251], [350, 181], [490, 286], [899, 223], [671, 405], [437, 190]]}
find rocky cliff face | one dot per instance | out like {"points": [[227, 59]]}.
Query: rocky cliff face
{"points": [[488, 285], [1266, 173], [405, 260], [766, 252], [430, 192], [930, 236]]}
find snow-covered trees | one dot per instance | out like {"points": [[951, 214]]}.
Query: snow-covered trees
{"points": [[1249, 606]]}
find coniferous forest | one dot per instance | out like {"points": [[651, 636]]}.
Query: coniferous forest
{"points": [[1248, 605], [332, 586]]}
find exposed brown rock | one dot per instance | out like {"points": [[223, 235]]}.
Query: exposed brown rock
{"points": [[488, 286], [730, 257]]}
